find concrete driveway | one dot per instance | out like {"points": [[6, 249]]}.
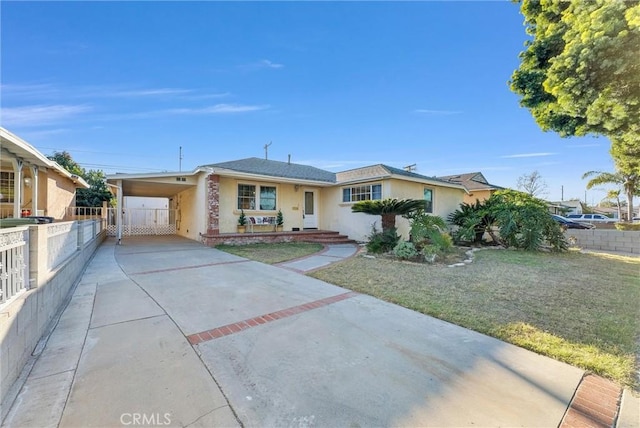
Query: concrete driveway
{"points": [[176, 334]]}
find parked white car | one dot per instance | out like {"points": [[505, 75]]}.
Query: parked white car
{"points": [[591, 218]]}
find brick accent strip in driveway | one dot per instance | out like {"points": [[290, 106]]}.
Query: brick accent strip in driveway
{"points": [[235, 327], [595, 404]]}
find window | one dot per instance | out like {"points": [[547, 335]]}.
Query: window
{"points": [[6, 186], [267, 198], [246, 197], [428, 197], [249, 199], [362, 193]]}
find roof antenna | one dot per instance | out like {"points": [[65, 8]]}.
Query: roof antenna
{"points": [[266, 150], [180, 160], [410, 168]]}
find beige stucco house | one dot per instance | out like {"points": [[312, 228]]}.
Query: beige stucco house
{"points": [[32, 184], [476, 185], [209, 199]]}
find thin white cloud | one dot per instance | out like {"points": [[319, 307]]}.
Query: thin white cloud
{"points": [[435, 112], [528, 155], [217, 109], [270, 64], [149, 92], [37, 115], [29, 90], [262, 64]]}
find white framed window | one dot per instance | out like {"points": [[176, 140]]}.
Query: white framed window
{"points": [[365, 192], [253, 197], [6, 186], [428, 197]]}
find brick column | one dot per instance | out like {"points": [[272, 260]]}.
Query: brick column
{"points": [[213, 204]]}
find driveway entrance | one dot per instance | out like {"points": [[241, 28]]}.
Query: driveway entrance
{"points": [[164, 326]]}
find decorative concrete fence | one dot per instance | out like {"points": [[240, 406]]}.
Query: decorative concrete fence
{"points": [[39, 265], [625, 241]]}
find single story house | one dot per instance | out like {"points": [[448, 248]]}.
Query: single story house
{"points": [[209, 199], [476, 185], [31, 184]]}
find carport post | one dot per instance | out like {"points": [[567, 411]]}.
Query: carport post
{"points": [[118, 186]]}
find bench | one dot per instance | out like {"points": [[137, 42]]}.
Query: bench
{"points": [[261, 223]]}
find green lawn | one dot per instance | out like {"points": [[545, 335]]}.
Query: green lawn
{"points": [[272, 253], [579, 308]]}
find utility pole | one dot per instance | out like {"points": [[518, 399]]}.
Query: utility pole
{"points": [[561, 193], [266, 150], [180, 160]]}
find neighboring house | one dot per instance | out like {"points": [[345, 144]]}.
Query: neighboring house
{"points": [[476, 185], [31, 184], [565, 207], [209, 199]]}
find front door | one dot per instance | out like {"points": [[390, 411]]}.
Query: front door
{"points": [[310, 216]]}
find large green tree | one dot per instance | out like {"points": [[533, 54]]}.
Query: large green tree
{"points": [[580, 72], [98, 190]]}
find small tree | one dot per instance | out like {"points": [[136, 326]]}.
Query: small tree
{"points": [[532, 184], [389, 209]]}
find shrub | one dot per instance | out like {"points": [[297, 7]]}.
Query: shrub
{"points": [[424, 226], [442, 242], [627, 226], [430, 253], [405, 250], [382, 242], [524, 221]]}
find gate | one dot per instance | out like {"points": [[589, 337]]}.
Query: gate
{"points": [[143, 221]]}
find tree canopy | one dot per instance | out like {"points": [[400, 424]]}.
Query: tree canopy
{"points": [[580, 72], [97, 193]]}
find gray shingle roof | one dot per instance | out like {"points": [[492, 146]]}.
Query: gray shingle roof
{"points": [[277, 169], [471, 181], [398, 171]]}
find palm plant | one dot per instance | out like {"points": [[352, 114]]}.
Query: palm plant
{"points": [[628, 181], [389, 209]]}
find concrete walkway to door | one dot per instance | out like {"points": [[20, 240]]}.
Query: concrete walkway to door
{"points": [[165, 331]]}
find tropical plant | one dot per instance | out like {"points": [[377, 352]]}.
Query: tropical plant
{"points": [[524, 222], [242, 220], [473, 220], [429, 230], [629, 182], [382, 242], [389, 209]]}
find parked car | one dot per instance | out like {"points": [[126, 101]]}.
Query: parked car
{"points": [[569, 224], [591, 218]]}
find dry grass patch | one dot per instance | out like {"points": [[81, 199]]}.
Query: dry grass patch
{"points": [[272, 253], [579, 308]]}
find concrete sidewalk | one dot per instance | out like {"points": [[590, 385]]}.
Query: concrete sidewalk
{"points": [[164, 331]]}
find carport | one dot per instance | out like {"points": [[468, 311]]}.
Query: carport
{"points": [[128, 221]]}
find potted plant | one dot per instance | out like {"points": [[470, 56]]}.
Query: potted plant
{"points": [[279, 221], [242, 222]]}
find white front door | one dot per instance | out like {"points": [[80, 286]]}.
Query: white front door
{"points": [[310, 210]]}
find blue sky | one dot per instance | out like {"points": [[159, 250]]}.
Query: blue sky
{"points": [[122, 85]]}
